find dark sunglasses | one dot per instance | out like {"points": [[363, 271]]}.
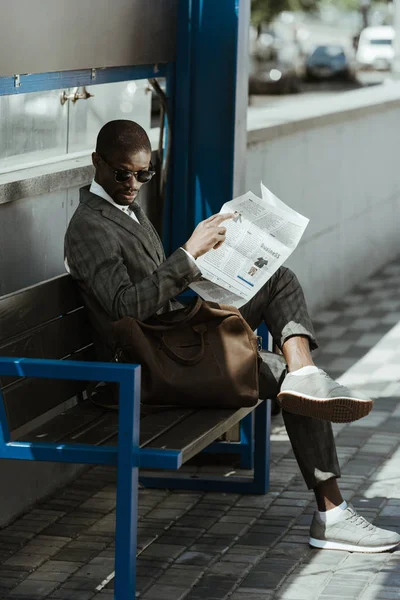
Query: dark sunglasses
{"points": [[123, 175]]}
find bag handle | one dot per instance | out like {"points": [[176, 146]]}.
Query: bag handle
{"points": [[201, 330], [167, 324]]}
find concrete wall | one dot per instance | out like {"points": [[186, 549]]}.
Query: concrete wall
{"points": [[337, 162]]}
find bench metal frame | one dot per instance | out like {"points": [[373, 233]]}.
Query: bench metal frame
{"points": [[127, 455]]}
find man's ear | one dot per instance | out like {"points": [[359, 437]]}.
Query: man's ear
{"points": [[95, 159]]}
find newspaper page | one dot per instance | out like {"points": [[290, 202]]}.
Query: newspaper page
{"points": [[259, 239]]}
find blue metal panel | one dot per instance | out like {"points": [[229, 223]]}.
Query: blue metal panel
{"points": [[262, 331], [167, 208], [179, 202], [64, 79], [204, 127]]}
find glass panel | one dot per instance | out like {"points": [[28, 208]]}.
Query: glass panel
{"points": [[36, 128], [121, 100], [33, 127]]}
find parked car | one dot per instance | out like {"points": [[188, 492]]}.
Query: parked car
{"points": [[331, 61], [375, 48], [276, 65]]}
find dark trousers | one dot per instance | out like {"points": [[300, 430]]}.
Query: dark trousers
{"points": [[281, 305]]}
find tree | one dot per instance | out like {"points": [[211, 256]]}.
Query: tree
{"points": [[264, 11]]}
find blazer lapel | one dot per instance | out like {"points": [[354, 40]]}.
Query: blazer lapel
{"points": [[111, 213]]}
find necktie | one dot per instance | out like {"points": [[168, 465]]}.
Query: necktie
{"points": [[148, 227]]}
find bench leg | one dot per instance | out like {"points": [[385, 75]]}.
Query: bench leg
{"points": [[126, 536], [127, 491], [247, 442], [262, 445], [236, 485]]}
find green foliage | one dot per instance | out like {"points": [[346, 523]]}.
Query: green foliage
{"points": [[264, 11]]}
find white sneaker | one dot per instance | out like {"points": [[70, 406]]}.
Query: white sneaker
{"points": [[317, 395], [351, 532]]}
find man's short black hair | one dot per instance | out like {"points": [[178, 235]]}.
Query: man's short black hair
{"points": [[122, 136]]}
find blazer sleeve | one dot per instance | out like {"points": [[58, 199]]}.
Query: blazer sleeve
{"points": [[95, 258]]}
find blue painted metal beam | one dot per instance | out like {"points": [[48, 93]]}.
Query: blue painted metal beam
{"points": [[65, 453], [68, 369], [63, 79], [90, 455], [205, 104]]}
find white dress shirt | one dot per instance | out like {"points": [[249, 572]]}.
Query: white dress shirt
{"points": [[97, 189]]}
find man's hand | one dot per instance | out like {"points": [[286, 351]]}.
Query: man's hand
{"points": [[208, 234]]}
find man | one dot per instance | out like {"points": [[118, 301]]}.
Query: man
{"points": [[115, 255]]}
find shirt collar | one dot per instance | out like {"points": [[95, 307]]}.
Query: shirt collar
{"points": [[97, 189]]}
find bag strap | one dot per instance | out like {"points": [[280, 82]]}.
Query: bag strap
{"points": [[180, 320]]}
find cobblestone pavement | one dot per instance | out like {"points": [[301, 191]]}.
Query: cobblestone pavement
{"points": [[207, 546]]}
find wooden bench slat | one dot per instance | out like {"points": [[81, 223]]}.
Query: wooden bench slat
{"points": [[33, 306], [98, 432], [155, 424], [199, 430], [57, 339], [64, 426], [76, 425]]}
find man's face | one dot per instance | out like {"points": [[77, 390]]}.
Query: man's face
{"points": [[122, 193]]}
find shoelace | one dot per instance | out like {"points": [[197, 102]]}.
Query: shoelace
{"points": [[359, 521]]}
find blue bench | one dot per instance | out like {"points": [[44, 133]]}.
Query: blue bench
{"points": [[46, 366]]}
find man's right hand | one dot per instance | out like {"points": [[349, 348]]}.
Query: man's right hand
{"points": [[208, 234]]}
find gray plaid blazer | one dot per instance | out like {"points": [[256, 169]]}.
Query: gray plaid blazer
{"points": [[118, 270]]}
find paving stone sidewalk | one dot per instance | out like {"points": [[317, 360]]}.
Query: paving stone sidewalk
{"points": [[207, 546]]}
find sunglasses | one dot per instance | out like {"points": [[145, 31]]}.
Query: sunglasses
{"points": [[123, 175]]}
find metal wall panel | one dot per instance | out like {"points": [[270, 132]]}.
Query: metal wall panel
{"points": [[39, 36], [32, 238]]}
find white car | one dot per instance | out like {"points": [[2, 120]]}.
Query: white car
{"points": [[375, 48]]}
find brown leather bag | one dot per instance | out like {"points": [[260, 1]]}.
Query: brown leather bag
{"points": [[204, 355]]}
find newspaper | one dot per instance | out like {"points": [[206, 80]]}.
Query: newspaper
{"points": [[259, 239]]}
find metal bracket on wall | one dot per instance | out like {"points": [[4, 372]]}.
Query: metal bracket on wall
{"points": [[17, 81], [83, 95]]}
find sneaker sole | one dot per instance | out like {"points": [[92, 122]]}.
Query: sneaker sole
{"points": [[326, 545], [336, 410]]}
